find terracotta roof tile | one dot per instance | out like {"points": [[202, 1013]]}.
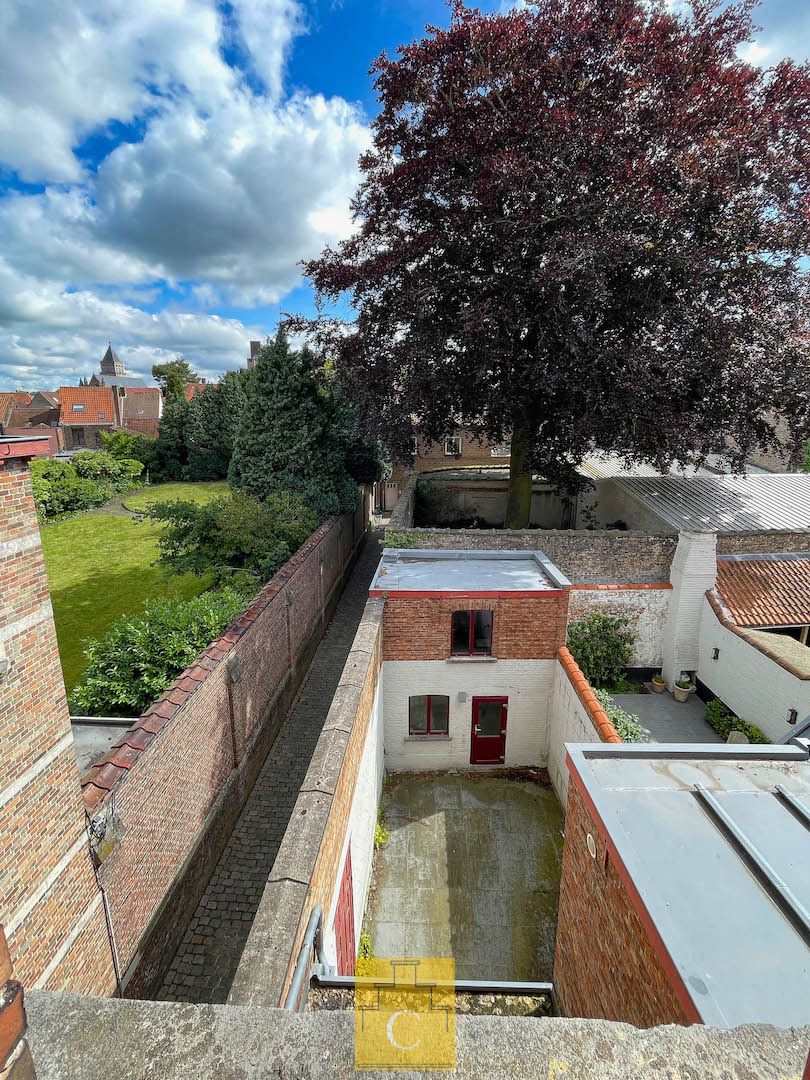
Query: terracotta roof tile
{"points": [[605, 729], [86, 405], [766, 590]]}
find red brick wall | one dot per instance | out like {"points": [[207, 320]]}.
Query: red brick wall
{"points": [[181, 775], [49, 901], [523, 628], [434, 457], [15, 1055], [605, 965]]}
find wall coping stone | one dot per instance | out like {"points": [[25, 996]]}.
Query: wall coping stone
{"points": [[599, 718], [83, 1038]]}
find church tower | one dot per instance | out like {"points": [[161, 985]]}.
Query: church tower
{"points": [[111, 364]]}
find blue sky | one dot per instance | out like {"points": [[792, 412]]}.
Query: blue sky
{"points": [[165, 165]]}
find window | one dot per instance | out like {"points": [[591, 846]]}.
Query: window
{"points": [[471, 633], [78, 436], [78, 408], [452, 446], [102, 416], [429, 714], [504, 450]]}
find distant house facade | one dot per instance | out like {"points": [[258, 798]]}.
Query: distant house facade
{"points": [[191, 389], [140, 409], [84, 413], [24, 414]]}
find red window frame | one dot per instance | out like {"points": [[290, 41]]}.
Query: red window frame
{"points": [[470, 650], [429, 698]]}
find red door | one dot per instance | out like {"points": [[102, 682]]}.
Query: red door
{"points": [[488, 742], [344, 921]]}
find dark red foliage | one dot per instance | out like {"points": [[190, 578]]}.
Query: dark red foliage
{"points": [[583, 220]]}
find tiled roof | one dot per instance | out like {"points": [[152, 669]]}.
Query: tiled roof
{"points": [[6, 403], [22, 397], [766, 590], [193, 388], [584, 691], [97, 400]]}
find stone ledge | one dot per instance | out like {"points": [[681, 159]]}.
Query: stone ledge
{"points": [[82, 1038]]}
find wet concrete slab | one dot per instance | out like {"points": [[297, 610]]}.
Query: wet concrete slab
{"points": [[471, 870]]}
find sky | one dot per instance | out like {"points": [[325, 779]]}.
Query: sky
{"points": [[166, 165]]}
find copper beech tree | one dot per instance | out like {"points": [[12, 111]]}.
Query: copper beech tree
{"points": [[581, 224]]}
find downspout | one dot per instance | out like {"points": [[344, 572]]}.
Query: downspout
{"points": [[313, 938]]}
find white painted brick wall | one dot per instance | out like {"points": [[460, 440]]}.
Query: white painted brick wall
{"points": [[694, 570], [749, 682], [647, 610], [527, 683], [568, 723], [360, 834]]}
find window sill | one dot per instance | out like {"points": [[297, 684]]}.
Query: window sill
{"points": [[428, 738], [472, 659]]}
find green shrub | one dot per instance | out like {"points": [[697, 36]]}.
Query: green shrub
{"points": [[125, 446], [628, 725], [602, 645], [724, 721], [140, 655], [88, 479], [237, 537], [365, 950]]}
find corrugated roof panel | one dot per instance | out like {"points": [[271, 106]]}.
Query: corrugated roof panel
{"points": [[772, 502]]}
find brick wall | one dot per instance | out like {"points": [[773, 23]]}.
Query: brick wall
{"points": [[753, 543], [312, 854], [50, 903], [173, 787], [473, 452], [575, 715], [585, 557], [523, 628], [605, 965], [15, 1055], [645, 607]]}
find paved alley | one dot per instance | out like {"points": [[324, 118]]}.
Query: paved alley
{"points": [[206, 961]]}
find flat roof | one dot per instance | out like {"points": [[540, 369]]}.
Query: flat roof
{"points": [[767, 502], [426, 570], [92, 740], [716, 843]]}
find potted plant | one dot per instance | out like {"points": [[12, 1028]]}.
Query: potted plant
{"points": [[659, 683], [682, 689]]}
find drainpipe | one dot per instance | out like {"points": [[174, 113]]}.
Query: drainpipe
{"points": [[313, 938]]}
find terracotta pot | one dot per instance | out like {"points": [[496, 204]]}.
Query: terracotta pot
{"points": [[658, 687], [681, 694]]}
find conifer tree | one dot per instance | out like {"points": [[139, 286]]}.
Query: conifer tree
{"points": [[288, 438], [213, 420]]}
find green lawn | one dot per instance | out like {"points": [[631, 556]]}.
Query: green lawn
{"points": [[198, 493], [100, 566]]}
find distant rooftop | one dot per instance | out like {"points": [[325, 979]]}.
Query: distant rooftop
{"points": [[715, 841], [767, 502], [428, 570]]}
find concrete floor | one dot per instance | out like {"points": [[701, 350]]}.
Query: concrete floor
{"points": [[472, 871], [668, 720]]}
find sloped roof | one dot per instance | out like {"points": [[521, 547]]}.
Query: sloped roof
{"points": [[766, 590], [766, 502], [6, 404], [192, 388], [98, 402]]}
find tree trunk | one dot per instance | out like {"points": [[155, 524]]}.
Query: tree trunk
{"points": [[519, 502]]}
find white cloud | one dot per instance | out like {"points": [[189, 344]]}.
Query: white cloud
{"points": [[219, 186], [50, 336]]}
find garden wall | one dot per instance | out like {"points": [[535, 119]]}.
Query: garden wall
{"points": [[165, 799], [334, 815], [608, 557], [575, 716], [645, 606]]}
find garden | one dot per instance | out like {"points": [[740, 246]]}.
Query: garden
{"points": [[142, 585]]}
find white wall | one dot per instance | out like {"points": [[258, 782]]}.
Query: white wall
{"points": [[360, 833], [647, 610], [568, 722], [693, 571], [753, 686], [615, 504], [527, 683]]}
